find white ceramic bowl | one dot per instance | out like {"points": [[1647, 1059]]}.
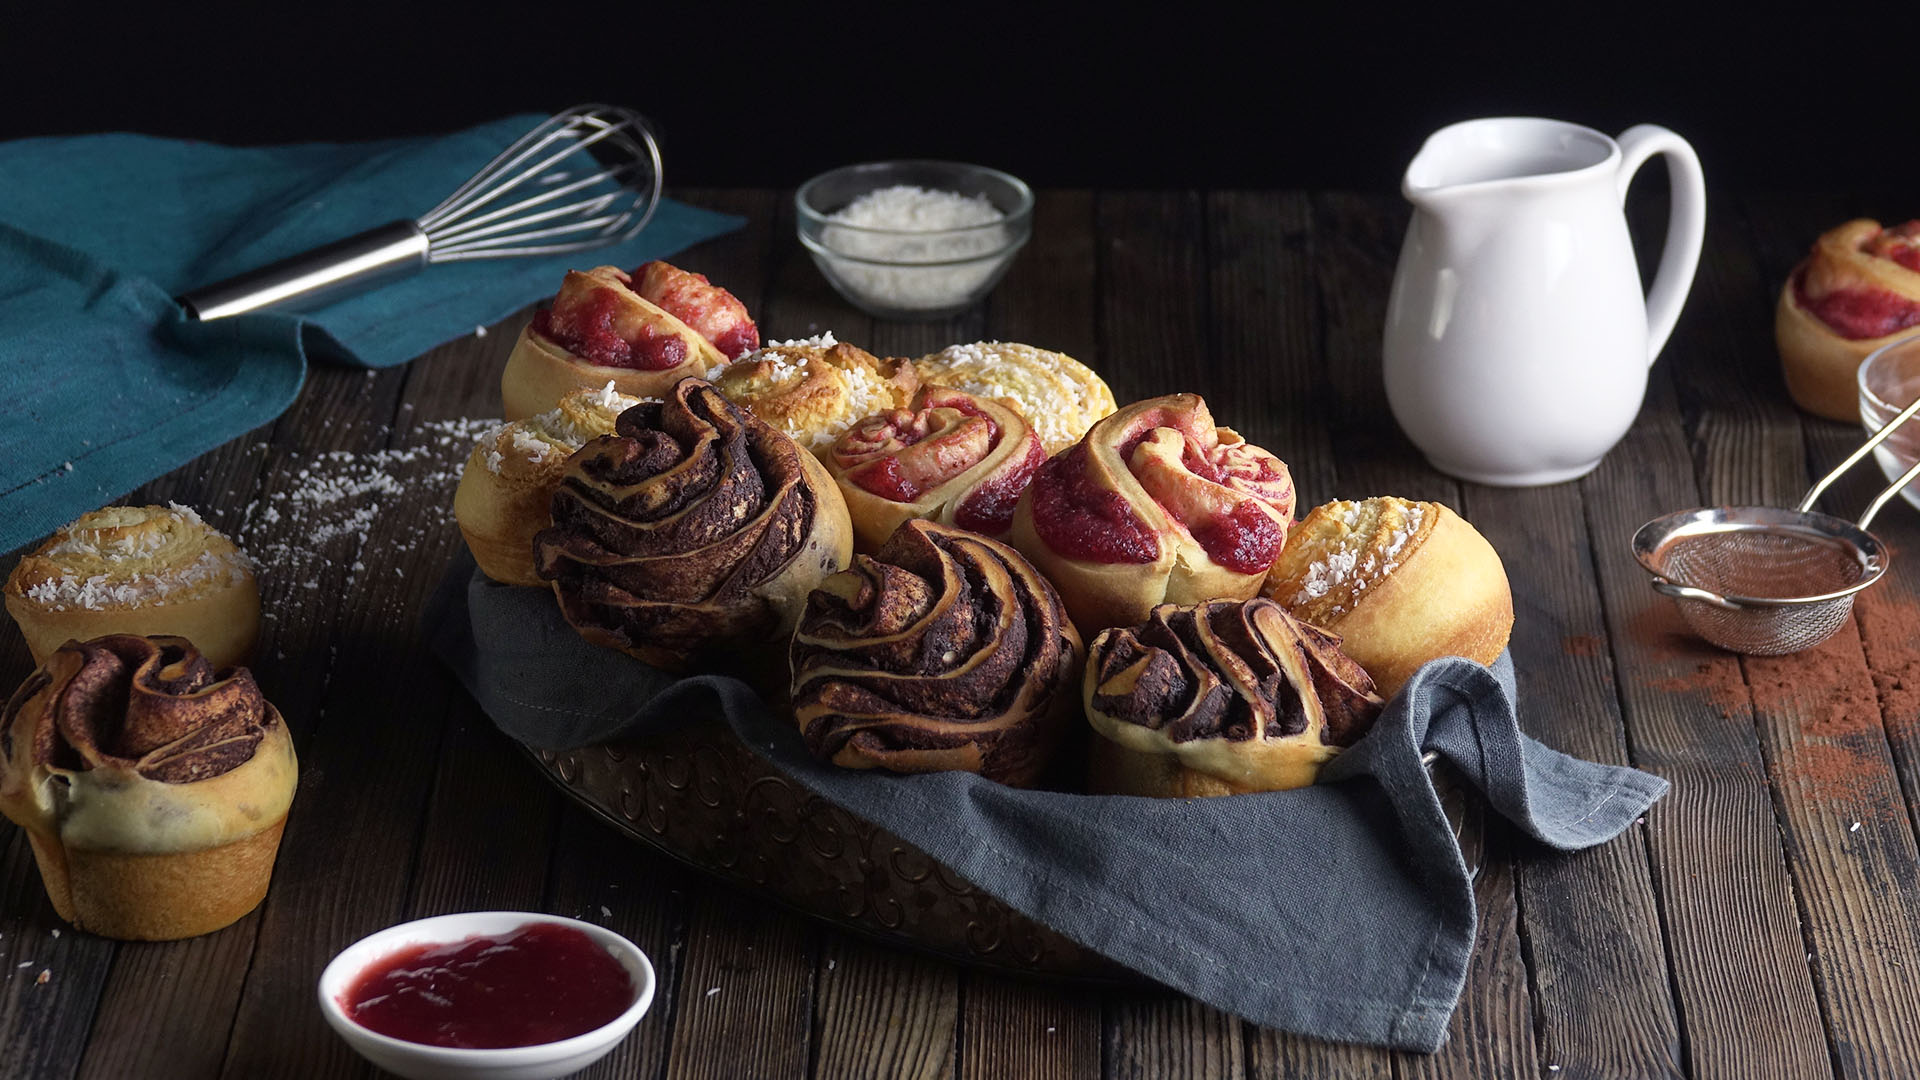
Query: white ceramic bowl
{"points": [[421, 1062]]}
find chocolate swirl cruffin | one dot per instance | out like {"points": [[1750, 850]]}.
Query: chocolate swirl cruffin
{"points": [[152, 787], [947, 651], [693, 527], [1238, 692]]}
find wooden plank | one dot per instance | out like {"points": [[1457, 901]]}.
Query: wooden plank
{"points": [[1047, 298], [1849, 836], [883, 1013], [745, 1008], [378, 705], [1266, 341], [1152, 330], [1162, 1038], [1015, 1027], [605, 876], [1727, 898], [1589, 920]]}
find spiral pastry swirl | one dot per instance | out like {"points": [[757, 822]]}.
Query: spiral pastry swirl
{"points": [[693, 527], [946, 651], [1238, 691], [1155, 505], [950, 457], [153, 706]]}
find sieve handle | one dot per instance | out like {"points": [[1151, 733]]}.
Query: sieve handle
{"points": [[1887, 496], [1687, 592], [1813, 494]]}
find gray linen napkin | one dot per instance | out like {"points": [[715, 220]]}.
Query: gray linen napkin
{"points": [[1342, 911]]}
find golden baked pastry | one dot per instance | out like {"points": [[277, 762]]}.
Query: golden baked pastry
{"points": [[946, 651], [137, 570], [503, 494], [1156, 505], [1401, 582], [152, 788], [950, 457], [643, 332], [692, 535], [1060, 396], [1857, 290], [1218, 699], [815, 389]]}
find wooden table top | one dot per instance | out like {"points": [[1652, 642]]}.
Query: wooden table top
{"points": [[1762, 921]]}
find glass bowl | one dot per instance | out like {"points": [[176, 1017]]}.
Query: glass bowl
{"points": [[905, 274], [1889, 381]]}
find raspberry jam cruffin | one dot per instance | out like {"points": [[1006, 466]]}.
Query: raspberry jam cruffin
{"points": [[610, 318], [1233, 498]]}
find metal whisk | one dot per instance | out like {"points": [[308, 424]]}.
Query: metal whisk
{"points": [[584, 178], [1765, 581]]}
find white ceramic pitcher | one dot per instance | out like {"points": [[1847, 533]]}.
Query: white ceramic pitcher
{"points": [[1517, 340]]}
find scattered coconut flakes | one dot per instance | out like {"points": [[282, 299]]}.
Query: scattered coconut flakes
{"points": [[337, 495], [713, 991]]}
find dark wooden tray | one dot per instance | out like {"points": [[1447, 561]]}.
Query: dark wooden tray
{"points": [[702, 798]]}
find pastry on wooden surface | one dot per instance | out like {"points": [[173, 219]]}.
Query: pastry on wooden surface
{"points": [[137, 570], [152, 787], [1156, 505], [643, 332], [509, 479], [949, 457], [693, 534], [1401, 582], [813, 390], [1059, 395], [1220, 698], [1857, 290], [946, 651]]}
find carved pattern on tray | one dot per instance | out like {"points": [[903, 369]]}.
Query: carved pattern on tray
{"points": [[701, 797]]}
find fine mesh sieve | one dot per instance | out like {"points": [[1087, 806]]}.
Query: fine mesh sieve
{"points": [[1765, 581]]}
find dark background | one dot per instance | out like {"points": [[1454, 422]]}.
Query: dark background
{"points": [[1184, 95]]}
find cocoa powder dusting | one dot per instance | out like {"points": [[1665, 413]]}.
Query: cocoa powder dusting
{"points": [[1890, 631], [1704, 671], [1581, 645]]}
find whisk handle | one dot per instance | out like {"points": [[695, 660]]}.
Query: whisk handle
{"points": [[318, 277]]}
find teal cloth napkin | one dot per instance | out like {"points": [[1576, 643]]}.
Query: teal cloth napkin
{"points": [[104, 384]]}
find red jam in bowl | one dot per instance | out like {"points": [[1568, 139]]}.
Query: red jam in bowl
{"points": [[539, 983]]}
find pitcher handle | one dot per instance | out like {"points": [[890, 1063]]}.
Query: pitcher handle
{"points": [[1686, 225]]}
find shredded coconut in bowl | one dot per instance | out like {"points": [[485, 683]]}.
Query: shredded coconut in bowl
{"points": [[907, 210]]}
